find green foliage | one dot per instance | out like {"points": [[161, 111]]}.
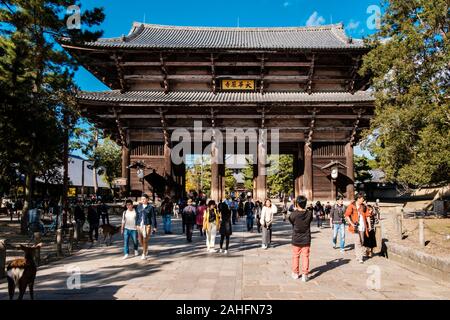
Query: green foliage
{"points": [[198, 178], [282, 179], [37, 105], [230, 180], [409, 64], [361, 167], [248, 176], [108, 158]]}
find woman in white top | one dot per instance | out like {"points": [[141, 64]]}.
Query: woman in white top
{"points": [[266, 220], [129, 228]]}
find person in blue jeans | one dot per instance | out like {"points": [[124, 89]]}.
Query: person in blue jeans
{"points": [[166, 212], [337, 220], [129, 229], [249, 208]]}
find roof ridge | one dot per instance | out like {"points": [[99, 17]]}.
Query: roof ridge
{"points": [[117, 91], [256, 29]]}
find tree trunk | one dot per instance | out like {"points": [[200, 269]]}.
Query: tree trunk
{"points": [[65, 162], [94, 170], [27, 203]]}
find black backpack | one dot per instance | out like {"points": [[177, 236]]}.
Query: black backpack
{"points": [[212, 216]]}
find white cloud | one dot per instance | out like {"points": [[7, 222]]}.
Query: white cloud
{"points": [[315, 20], [352, 25]]}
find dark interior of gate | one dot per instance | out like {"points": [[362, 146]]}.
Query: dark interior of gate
{"points": [[299, 82]]}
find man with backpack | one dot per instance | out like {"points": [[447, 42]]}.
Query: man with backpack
{"points": [[249, 207], [189, 219], [166, 213], [337, 220]]}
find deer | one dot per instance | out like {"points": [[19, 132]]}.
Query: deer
{"points": [[22, 272], [109, 231]]}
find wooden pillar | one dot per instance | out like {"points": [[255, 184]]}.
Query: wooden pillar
{"points": [[215, 189], [255, 182], [261, 186], [308, 173], [167, 166], [295, 165], [298, 172], [125, 190], [183, 181], [350, 171]]}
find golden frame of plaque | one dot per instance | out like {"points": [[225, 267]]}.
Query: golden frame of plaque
{"points": [[240, 85]]}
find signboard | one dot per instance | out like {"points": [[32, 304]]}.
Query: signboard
{"points": [[120, 181], [244, 85], [72, 192]]}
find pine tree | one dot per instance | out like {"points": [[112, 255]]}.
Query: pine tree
{"points": [[409, 64], [38, 109]]}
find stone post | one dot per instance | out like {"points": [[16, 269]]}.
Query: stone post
{"points": [[59, 240], [421, 233]]}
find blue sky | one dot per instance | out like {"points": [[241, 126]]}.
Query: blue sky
{"points": [[228, 13]]}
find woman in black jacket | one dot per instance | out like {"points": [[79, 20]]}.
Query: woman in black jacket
{"points": [[225, 227], [301, 237]]}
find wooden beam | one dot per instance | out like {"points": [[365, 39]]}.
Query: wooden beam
{"points": [[237, 116], [207, 78], [120, 73], [311, 127], [262, 73], [164, 73], [354, 74], [213, 74], [207, 64], [355, 127], [122, 137], [311, 75]]}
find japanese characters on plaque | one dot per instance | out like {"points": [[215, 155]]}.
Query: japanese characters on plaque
{"points": [[245, 85]]}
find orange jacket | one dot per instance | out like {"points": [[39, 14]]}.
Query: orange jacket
{"points": [[352, 212]]}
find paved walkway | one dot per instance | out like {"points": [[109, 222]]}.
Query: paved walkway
{"points": [[178, 270]]}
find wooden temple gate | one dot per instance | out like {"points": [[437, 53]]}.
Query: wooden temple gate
{"points": [[301, 81]]}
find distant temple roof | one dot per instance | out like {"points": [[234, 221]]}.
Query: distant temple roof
{"points": [[153, 96], [179, 37]]}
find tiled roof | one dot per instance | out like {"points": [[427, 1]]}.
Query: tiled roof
{"points": [[177, 37], [223, 97]]}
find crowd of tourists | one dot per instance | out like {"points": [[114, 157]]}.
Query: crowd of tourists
{"points": [[209, 218]]}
